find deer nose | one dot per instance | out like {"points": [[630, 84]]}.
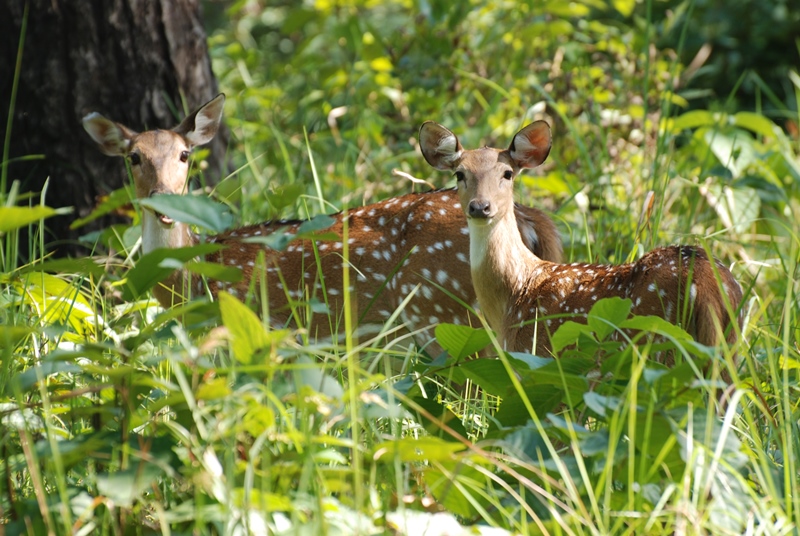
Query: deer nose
{"points": [[479, 208]]}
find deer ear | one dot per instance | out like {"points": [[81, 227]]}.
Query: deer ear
{"points": [[113, 138], [440, 147], [531, 145], [201, 126]]}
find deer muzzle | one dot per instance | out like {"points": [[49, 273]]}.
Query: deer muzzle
{"points": [[480, 209]]}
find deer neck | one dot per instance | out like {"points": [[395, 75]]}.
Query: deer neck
{"points": [[155, 235], [501, 266]]}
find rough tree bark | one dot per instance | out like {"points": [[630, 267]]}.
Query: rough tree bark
{"points": [[140, 62]]}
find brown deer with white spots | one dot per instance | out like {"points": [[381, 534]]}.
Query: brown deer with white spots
{"points": [[515, 286], [415, 240]]}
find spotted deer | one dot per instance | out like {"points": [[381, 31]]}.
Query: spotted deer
{"points": [[515, 286], [415, 240]]}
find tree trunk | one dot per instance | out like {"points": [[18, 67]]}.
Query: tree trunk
{"points": [[140, 62]]}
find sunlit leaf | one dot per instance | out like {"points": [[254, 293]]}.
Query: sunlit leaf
{"points": [[607, 314], [625, 7], [568, 334], [218, 272], [85, 266], [655, 324], [461, 341], [410, 449], [733, 148], [249, 338], [192, 209], [692, 120], [759, 124], [213, 389], [15, 217], [737, 207]]}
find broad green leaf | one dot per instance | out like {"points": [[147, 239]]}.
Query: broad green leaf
{"points": [[625, 7], [249, 338], [423, 406], [218, 272], [733, 148], [602, 405], [213, 389], [570, 427], [738, 207], [693, 120], [10, 336], [285, 195], [655, 324], [461, 341], [258, 420], [577, 385], [489, 374], [543, 399], [84, 266], [568, 334], [125, 486], [788, 363], [149, 270], [15, 217], [410, 449], [268, 502], [26, 379], [192, 209], [759, 124], [308, 228], [466, 499], [607, 314], [76, 450], [531, 361], [525, 442], [57, 300]]}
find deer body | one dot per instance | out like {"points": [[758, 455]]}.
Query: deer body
{"points": [[515, 287], [416, 240]]}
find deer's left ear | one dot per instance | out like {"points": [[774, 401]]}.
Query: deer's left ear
{"points": [[201, 126], [531, 145], [440, 147]]}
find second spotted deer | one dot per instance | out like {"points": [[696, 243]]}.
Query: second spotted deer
{"points": [[515, 286], [413, 243]]}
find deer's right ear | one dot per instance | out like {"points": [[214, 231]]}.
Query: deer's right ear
{"points": [[440, 147], [201, 126], [113, 138]]}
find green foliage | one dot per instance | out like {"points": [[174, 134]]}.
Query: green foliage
{"points": [[120, 417]]}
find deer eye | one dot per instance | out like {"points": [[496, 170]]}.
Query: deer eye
{"points": [[184, 156], [460, 176], [135, 159], [508, 174]]}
